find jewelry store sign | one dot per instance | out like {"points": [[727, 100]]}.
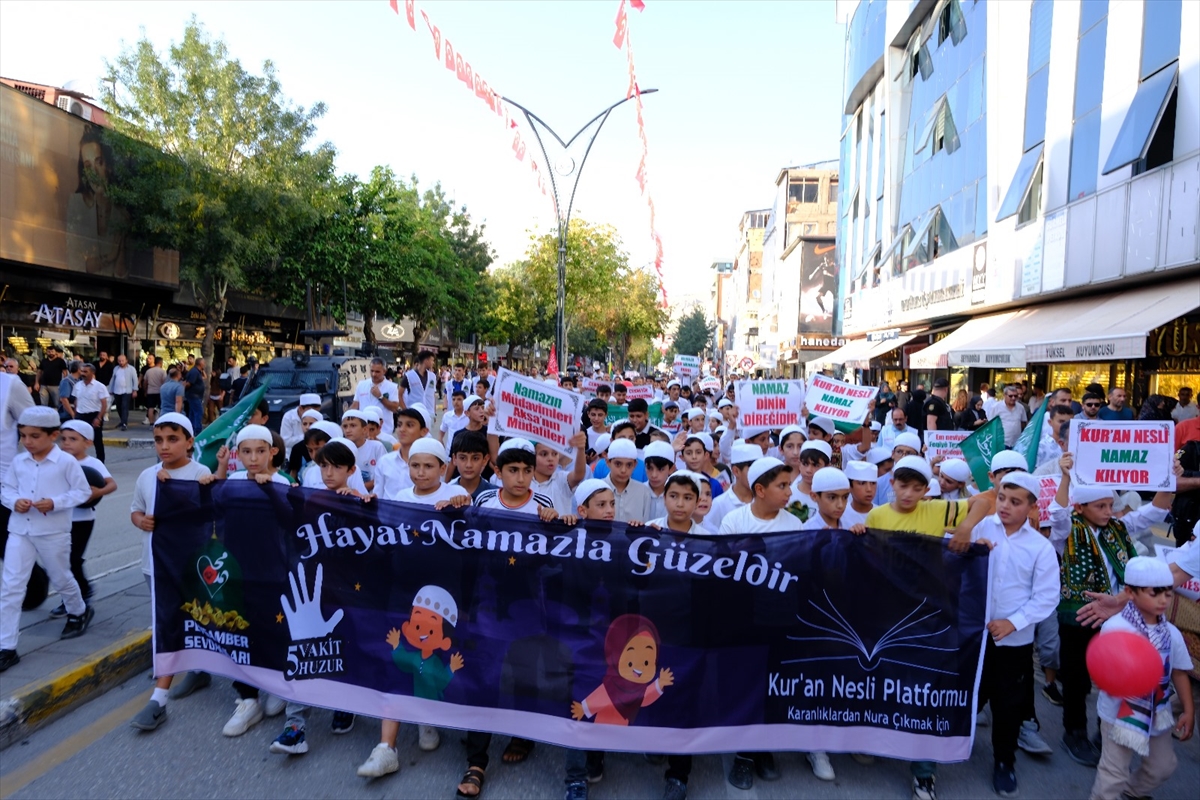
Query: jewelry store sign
{"points": [[81, 314]]}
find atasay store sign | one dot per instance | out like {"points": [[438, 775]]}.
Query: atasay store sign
{"points": [[82, 315]]}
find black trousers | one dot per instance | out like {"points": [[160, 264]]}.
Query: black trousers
{"points": [[477, 744], [97, 432], [81, 532], [1073, 673], [1007, 684]]}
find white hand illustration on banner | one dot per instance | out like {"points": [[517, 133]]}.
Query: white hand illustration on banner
{"points": [[870, 658], [304, 617]]}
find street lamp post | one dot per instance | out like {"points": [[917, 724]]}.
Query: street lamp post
{"points": [[566, 167]]}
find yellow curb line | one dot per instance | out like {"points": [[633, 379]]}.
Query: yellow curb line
{"points": [[37, 703]]}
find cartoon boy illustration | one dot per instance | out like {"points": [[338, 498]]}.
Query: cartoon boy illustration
{"points": [[631, 652], [429, 629]]}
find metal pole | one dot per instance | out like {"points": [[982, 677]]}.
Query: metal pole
{"points": [[567, 167]]}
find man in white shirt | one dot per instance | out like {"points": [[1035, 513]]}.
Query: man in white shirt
{"points": [[379, 392], [91, 404], [123, 386], [291, 427], [895, 427], [1186, 409], [420, 383], [1012, 414]]}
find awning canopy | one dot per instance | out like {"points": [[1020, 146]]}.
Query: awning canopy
{"points": [[992, 342], [1111, 327], [875, 350], [851, 350]]}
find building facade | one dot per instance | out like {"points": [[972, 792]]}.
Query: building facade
{"points": [[1020, 193], [745, 301]]}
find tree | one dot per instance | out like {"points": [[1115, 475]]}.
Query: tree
{"points": [[212, 161], [694, 333], [517, 317], [595, 264], [637, 318]]}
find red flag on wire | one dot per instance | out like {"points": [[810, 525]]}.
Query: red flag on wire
{"points": [[395, 5], [552, 365], [622, 22], [410, 11], [640, 5]]}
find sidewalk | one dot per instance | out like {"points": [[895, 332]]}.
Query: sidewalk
{"points": [[55, 676], [139, 433]]}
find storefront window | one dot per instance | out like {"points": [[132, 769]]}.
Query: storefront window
{"points": [[1077, 376], [1169, 383]]}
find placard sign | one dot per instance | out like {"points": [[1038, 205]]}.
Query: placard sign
{"points": [[687, 366], [769, 404], [536, 410], [645, 392], [710, 384], [842, 402], [1048, 488], [1138, 455], [944, 444]]}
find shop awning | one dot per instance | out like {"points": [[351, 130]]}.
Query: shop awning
{"points": [[851, 350], [993, 342], [1111, 327], [875, 350]]}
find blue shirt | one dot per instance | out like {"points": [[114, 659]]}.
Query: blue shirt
{"points": [[167, 394], [1125, 414]]}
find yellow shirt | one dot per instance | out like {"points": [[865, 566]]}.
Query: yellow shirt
{"points": [[930, 517]]}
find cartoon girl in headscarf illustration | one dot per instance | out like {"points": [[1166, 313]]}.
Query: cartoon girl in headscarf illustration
{"points": [[631, 653]]}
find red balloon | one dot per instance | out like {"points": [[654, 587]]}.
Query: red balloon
{"points": [[1124, 664]]}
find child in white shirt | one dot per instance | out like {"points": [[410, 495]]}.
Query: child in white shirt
{"points": [[368, 452], [41, 487], [680, 496], [771, 481], [75, 438]]}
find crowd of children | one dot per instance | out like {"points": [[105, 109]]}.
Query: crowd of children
{"points": [[697, 474]]}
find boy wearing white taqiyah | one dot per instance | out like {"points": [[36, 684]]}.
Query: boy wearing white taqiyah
{"points": [[863, 477], [1024, 590], [1143, 725], [74, 440], [41, 487], [173, 437], [312, 474], [367, 452], [771, 481], [680, 496], [633, 497], [742, 455]]}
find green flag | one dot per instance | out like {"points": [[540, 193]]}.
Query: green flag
{"points": [[1031, 437], [979, 448], [215, 435]]}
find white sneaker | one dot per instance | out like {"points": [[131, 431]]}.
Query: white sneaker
{"points": [[1029, 740], [247, 714], [429, 738], [382, 761], [272, 706], [821, 766]]}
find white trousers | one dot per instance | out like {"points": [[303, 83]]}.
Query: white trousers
{"points": [[22, 551]]}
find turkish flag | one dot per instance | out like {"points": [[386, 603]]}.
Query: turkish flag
{"points": [[518, 146], [450, 57], [395, 6], [622, 24], [640, 5], [410, 11]]}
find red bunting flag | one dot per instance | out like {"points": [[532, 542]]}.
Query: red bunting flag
{"points": [[552, 364], [622, 22], [640, 5], [410, 13], [395, 5]]}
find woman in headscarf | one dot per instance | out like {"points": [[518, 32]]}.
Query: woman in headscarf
{"points": [[1157, 407], [632, 679], [972, 417]]}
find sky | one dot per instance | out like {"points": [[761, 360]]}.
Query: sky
{"points": [[745, 88]]}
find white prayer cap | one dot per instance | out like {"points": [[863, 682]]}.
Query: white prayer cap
{"points": [[741, 454], [829, 479], [908, 439], [824, 423], [702, 438], [875, 426], [310, 399], [429, 447], [471, 400], [602, 442], [439, 601], [933, 489], [878, 455], [695, 412], [956, 469], [862, 471], [326, 427], [917, 464], [585, 490], [354, 413], [723, 403], [342, 440], [1009, 459], [516, 443], [790, 429], [1024, 480], [1090, 494], [373, 414], [694, 478], [819, 446], [312, 414], [622, 448], [1146, 572], [252, 433], [659, 450], [79, 426], [175, 418], [426, 419], [762, 466], [39, 417]]}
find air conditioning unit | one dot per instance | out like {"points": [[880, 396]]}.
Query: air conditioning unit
{"points": [[74, 106]]}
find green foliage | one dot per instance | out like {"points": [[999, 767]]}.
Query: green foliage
{"points": [[694, 334], [211, 161]]}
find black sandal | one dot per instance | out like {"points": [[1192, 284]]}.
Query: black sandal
{"points": [[518, 750], [472, 777]]}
